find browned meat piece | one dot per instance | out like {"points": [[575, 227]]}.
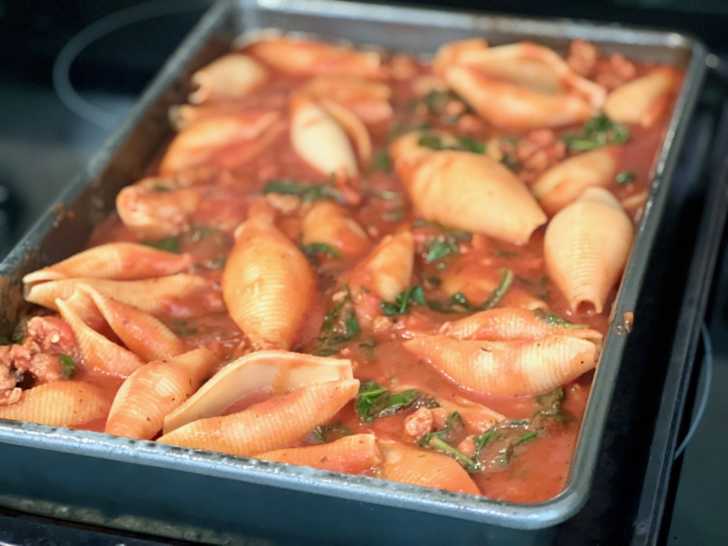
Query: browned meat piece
{"points": [[52, 335], [582, 57], [537, 151], [615, 71]]}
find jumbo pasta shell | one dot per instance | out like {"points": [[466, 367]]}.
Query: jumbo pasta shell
{"points": [[59, 404], [154, 390], [586, 247], [274, 372], [642, 100], [507, 368], [273, 424]]}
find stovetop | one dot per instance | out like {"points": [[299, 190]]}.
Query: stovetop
{"points": [[43, 145]]}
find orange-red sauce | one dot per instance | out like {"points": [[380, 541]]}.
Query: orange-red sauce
{"points": [[539, 469]]}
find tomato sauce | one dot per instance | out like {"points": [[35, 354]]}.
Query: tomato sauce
{"points": [[536, 470]]}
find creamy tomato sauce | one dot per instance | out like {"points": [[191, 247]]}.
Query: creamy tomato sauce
{"points": [[532, 467]]}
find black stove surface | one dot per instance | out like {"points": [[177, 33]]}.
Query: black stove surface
{"points": [[43, 145]]}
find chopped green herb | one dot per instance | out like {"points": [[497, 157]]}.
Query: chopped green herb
{"points": [[324, 434], [313, 250], [465, 144], [374, 401], [403, 302], [551, 407], [552, 319], [440, 248], [598, 131], [433, 441], [307, 192], [68, 365], [381, 161], [168, 244], [625, 177], [526, 437], [339, 327], [459, 303]]}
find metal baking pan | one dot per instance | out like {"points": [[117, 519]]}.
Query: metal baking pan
{"points": [[142, 486]]}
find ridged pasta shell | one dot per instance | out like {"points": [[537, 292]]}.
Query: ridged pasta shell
{"points": [[276, 372], [320, 140], [509, 323], [204, 140], [353, 454], [144, 335], [229, 77], [424, 468], [329, 223], [586, 247], [150, 393], [116, 261], [179, 296], [353, 126], [309, 58], [507, 368], [268, 284], [642, 100], [367, 99], [155, 214], [387, 270], [98, 352], [515, 107], [273, 424], [564, 182], [476, 193], [59, 404], [458, 52]]}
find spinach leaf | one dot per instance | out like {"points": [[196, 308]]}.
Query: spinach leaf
{"points": [[625, 177], [438, 249], [463, 144], [552, 319], [312, 250], [340, 326], [323, 434], [68, 366], [168, 244], [403, 302], [459, 303], [598, 131], [307, 192]]}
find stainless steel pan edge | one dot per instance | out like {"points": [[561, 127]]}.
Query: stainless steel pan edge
{"points": [[360, 488]]}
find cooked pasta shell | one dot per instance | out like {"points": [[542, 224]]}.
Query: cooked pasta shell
{"points": [[276, 372], [154, 214], [117, 261], [150, 393], [144, 335], [86, 310], [241, 136], [424, 468], [229, 77], [515, 107], [268, 284], [59, 404], [458, 52], [98, 352], [510, 323], [274, 424], [329, 223], [644, 99], [367, 99], [564, 182], [309, 58], [354, 127], [586, 247], [387, 270], [180, 295], [476, 193], [354, 454], [319, 139], [507, 368]]}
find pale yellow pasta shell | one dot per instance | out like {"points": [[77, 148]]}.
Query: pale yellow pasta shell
{"points": [[564, 182], [268, 285], [273, 424], [275, 372], [475, 193], [59, 404], [229, 77], [514, 368], [387, 270], [642, 100], [329, 223], [150, 393], [586, 247]]}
